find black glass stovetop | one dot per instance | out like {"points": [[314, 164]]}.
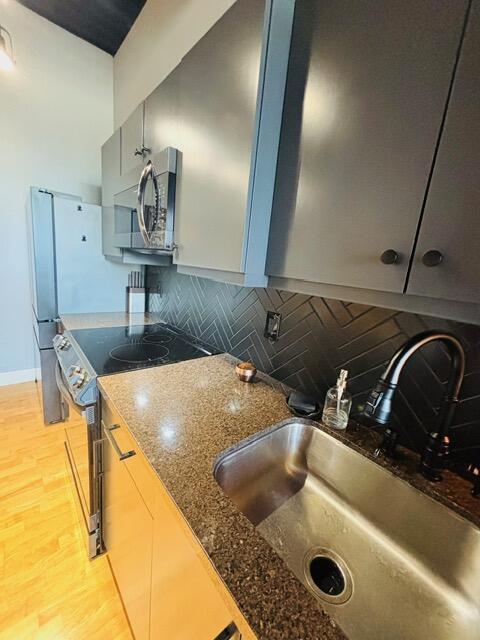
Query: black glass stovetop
{"points": [[115, 349]]}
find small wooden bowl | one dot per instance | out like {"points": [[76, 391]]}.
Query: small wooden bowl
{"points": [[245, 371]]}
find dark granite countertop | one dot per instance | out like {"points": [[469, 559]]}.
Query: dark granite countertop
{"points": [[182, 416]]}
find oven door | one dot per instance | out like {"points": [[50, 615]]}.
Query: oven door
{"points": [[82, 444]]}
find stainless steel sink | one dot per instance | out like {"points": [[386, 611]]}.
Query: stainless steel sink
{"points": [[385, 560]]}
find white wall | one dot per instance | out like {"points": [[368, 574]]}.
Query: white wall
{"points": [[163, 33], [56, 110]]}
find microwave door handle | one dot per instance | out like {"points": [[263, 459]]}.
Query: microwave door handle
{"points": [[148, 172]]}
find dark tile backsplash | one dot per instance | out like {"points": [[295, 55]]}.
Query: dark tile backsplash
{"points": [[319, 336]]}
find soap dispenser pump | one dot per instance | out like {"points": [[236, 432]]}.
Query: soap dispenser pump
{"points": [[338, 403]]}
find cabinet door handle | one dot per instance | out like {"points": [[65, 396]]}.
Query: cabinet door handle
{"points": [[141, 152], [229, 633], [122, 455], [432, 258], [390, 256]]}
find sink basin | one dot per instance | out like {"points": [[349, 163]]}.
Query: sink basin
{"points": [[384, 560]]}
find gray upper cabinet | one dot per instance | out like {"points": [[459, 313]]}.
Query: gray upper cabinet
{"points": [[110, 181], [217, 105], [132, 141], [450, 225], [161, 115], [365, 98], [221, 108]]}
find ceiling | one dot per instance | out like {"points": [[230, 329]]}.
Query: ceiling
{"points": [[103, 23]]}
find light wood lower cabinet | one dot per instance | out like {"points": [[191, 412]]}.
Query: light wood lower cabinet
{"points": [[185, 603], [128, 536], [168, 585]]}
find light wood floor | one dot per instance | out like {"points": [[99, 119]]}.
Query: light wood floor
{"points": [[49, 590]]}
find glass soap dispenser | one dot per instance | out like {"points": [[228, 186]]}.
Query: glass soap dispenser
{"points": [[338, 403]]}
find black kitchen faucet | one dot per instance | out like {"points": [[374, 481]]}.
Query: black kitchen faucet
{"points": [[379, 403]]}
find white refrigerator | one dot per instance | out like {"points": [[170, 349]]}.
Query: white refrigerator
{"points": [[68, 274]]}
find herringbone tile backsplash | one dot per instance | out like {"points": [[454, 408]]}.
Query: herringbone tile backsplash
{"points": [[319, 336]]}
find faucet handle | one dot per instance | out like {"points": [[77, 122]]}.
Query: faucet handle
{"points": [[435, 457], [475, 475], [389, 444]]}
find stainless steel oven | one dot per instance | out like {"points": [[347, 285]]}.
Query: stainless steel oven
{"points": [[82, 442], [144, 213], [82, 356]]}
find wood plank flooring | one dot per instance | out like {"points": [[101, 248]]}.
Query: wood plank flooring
{"points": [[49, 589]]}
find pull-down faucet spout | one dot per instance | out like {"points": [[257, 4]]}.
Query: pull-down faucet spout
{"points": [[379, 403]]}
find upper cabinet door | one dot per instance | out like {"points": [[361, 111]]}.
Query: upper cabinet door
{"points": [[110, 185], [110, 167], [132, 141], [446, 262], [217, 101], [161, 115], [366, 92]]}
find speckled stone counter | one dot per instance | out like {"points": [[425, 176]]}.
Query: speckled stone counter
{"points": [[182, 416], [73, 321]]}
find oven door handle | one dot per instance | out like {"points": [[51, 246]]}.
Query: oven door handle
{"points": [[64, 392], [122, 455]]}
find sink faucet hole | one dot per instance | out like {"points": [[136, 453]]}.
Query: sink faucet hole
{"points": [[327, 576]]}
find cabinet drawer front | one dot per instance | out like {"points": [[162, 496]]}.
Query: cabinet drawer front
{"points": [[140, 470]]}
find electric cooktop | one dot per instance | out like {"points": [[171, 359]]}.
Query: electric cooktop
{"points": [[115, 349]]}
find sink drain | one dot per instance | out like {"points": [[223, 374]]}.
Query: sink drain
{"points": [[327, 576]]}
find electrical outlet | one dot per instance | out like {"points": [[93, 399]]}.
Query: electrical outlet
{"points": [[272, 326]]}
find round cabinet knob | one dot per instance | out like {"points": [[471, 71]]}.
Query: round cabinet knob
{"points": [[390, 256], [432, 258]]}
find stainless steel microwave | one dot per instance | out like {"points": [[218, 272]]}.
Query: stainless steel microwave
{"points": [[144, 213]]}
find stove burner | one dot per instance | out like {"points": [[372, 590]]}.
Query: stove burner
{"points": [[159, 337], [138, 353]]}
